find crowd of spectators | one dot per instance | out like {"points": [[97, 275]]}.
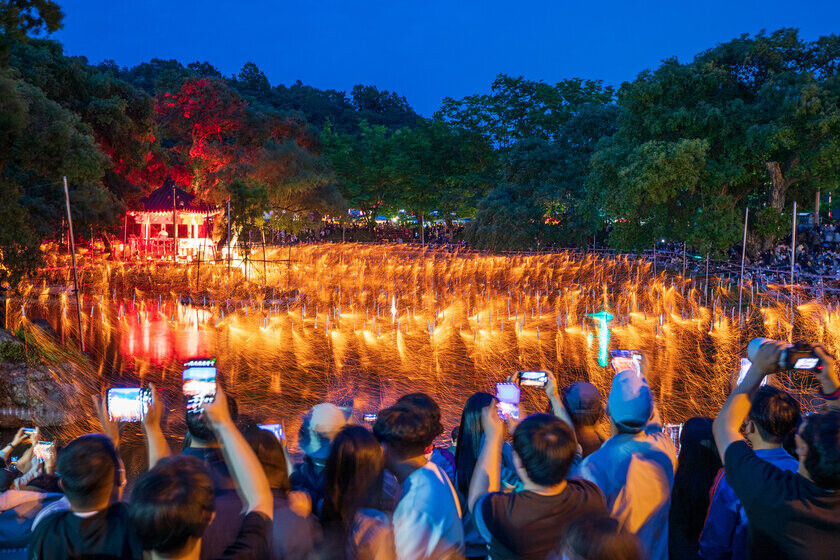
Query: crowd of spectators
{"points": [[759, 481]]}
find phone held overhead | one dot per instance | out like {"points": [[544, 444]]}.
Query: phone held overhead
{"points": [[199, 384]]}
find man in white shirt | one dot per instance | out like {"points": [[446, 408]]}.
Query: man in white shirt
{"points": [[635, 467], [427, 520]]}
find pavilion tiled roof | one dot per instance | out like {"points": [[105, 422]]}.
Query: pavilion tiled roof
{"points": [[160, 200]]}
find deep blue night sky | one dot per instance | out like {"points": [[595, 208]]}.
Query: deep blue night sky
{"points": [[430, 49]]}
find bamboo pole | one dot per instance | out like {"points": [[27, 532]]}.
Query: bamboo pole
{"points": [[743, 257], [75, 273]]}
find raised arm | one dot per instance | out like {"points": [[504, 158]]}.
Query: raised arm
{"points": [[557, 407], [109, 427], [828, 377], [728, 423], [245, 468], [155, 441], [488, 468], [19, 438]]}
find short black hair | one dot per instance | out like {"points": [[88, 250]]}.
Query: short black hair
{"points": [[822, 434], [600, 537], [425, 403], [546, 446], [775, 413], [88, 468], [172, 503], [405, 428]]}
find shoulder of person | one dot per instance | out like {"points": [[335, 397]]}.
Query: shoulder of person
{"points": [[583, 485]]}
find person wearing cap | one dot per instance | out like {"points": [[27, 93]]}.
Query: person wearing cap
{"points": [[319, 428], [635, 467], [583, 402]]}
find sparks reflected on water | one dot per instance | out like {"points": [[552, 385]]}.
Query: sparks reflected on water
{"points": [[374, 322]]}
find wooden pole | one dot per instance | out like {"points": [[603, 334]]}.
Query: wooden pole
{"points": [[265, 266], [174, 226], [125, 234], [792, 266], [743, 258], [230, 245], [654, 259], [817, 209], [75, 273]]}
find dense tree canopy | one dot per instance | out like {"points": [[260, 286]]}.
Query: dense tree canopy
{"points": [[676, 153]]}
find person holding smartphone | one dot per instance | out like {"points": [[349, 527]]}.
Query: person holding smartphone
{"points": [[790, 515], [21, 436], [199, 387], [173, 504]]}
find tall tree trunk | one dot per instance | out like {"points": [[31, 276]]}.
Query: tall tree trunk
{"points": [[817, 208], [779, 187], [422, 231]]}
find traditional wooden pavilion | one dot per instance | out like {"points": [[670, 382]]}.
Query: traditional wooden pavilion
{"points": [[151, 231]]}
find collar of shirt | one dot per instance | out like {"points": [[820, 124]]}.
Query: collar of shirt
{"points": [[775, 453]]}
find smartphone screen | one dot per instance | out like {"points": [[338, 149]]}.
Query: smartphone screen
{"points": [[508, 395], [674, 431], [626, 359], [128, 404], [806, 363], [276, 429], [532, 378], [370, 418], [199, 384], [42, 449], [29, 432], [508, 410]]}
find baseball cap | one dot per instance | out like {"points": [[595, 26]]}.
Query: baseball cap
{"points": [[320, 425], [582, 397], [631, 401]]}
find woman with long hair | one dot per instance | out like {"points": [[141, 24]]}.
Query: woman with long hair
{"points": [[294, 535], [698, 465], [470, 436], [354, 524]]}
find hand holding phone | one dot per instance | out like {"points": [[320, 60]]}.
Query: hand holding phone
{"points": [[199, 384], [25, 435], [491, 421], [622, 360]]}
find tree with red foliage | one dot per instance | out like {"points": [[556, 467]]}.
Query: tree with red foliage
{"points": [[200, 123]]}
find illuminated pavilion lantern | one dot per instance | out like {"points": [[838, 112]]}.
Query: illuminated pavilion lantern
{"points": [[150, 231]]}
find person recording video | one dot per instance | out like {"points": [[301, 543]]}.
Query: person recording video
{"points": [[792, 515]]}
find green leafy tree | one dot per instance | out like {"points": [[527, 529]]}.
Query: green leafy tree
{"points": [[518, 108], [120, 116], [438, 167], [751, 121], [21, 18], [252, 82], [41, 141], [362, 166]]}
